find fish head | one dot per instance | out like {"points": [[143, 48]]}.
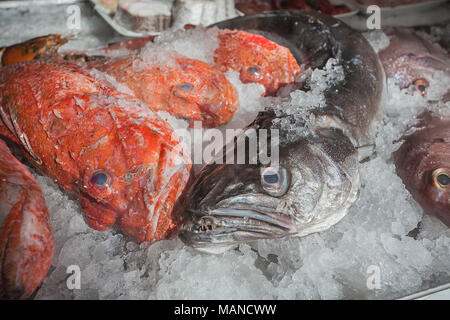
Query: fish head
{"points": [[422, 164], [307, 191], [200, 88], [132, 169], [411, 59], [257, 59]]}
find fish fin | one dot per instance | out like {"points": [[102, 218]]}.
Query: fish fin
{"points": [[20, 136], [6, 133]]}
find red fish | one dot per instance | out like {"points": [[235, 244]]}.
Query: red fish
{"points": [[32, 48], [257, 59], [121, 160], [422, 162], [185, 88], [26, 237], [189, 88]]}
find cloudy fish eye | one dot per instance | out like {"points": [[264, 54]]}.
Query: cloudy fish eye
{"points": [[99, 179], [253, 70], [275, 181], [443, 179], [185, 87]]}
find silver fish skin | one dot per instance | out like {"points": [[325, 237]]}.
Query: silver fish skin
{"points": [[317, 178]]}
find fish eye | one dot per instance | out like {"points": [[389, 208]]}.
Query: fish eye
{"points": [[275, 181], [185, 87], [253, 70], [441, 178], [421, 85], [100, 179]]}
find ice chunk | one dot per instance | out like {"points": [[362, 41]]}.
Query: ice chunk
{"points": [[377, 39], [199, 43]]}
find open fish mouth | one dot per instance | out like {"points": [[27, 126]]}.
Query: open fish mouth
{"points": [[223, 227]]}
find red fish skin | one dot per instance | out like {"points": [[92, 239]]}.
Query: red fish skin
{"points": [[423, 152], [239, 51], [74, 127], [32, 48], [245, 52], [26, 237], [186, 88]]}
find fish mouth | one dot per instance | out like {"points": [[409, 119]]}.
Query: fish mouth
{"points": [[224, 227]]}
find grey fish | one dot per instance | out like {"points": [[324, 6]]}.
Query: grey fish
{"points": [[317, 178], [411, 59]]}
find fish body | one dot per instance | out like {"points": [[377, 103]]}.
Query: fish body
{"points": [[422, 162], [186, 88], [106, 148], [316, 179], [26, 237], [411, 59]]}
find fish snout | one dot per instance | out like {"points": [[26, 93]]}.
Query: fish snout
{"points": [[213, 102], [221, 228], [96, 215], [152, 214]]}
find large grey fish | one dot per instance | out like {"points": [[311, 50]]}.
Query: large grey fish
{"points": [[317, 178], [411, 59]]}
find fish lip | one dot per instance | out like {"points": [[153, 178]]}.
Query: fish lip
{"points": [[232, 225]]}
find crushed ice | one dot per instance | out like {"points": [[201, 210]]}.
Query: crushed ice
{"points": [[294, 117]]}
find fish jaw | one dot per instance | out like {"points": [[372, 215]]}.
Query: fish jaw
{"points": [[150, 213], [222, 227], [147, 213], [153, 214], [97, 216]]}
